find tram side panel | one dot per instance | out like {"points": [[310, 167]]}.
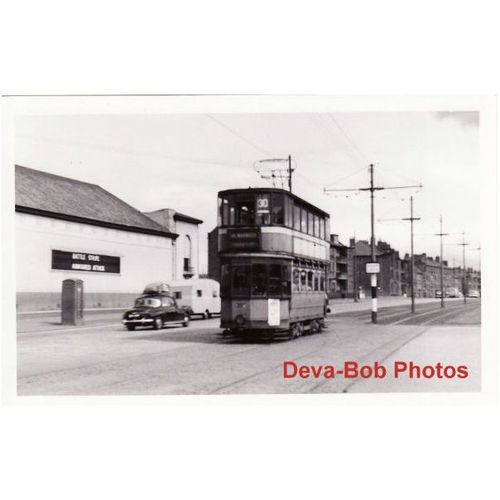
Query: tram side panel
{"points": [[255, 314], [307, 306]]}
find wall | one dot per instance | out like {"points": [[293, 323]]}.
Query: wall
{"points": [[143, 258]]}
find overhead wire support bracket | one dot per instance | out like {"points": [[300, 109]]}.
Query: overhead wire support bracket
{"points": [[372, 188]]}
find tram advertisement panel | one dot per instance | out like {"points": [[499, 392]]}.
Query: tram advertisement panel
{"points": [[273, 312]]}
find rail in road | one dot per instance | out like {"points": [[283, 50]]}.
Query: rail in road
{"points": [[199, 360], [425, 314]]}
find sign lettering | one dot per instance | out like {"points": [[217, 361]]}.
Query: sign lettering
{"points": [[79, 261]]}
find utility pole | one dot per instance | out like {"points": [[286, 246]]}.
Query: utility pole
{"points": [[463, 245], [372, 189], [354, 277], [412, 258], [441, 234], [479, 250]]}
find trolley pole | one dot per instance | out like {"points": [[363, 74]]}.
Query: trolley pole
{"points": [[290, 173], [464, 278], [372, 189]]}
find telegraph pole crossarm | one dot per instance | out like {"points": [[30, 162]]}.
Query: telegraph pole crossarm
{"points": [[372, 188], [412, 261]]}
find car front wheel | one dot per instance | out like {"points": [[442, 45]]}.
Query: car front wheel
{"points": [[186, 321], [158, 323]]}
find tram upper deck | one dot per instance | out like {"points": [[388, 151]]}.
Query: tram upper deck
{"points": [[271, 221]]}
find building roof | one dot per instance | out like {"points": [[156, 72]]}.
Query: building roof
{"points": [[187, 218], [60, 197], [363, 248], [167, 217]]}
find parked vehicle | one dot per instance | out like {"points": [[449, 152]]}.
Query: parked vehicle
{"points": [[438, 294], [453, 293], [155, 308], [474, 294], [198, 296]]}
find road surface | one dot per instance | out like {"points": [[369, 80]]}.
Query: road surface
{"points": [[102, 358]]}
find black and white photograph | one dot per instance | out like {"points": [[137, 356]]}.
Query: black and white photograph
{"points": [[249, 250], [216, 252]]}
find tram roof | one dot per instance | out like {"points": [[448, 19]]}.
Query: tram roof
{"points": [[275, 190]]}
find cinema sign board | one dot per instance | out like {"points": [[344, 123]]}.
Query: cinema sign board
{"points": [[83, 261]]}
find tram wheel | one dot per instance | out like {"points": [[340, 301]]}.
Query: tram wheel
{"points": [[301, 329], [294, 331], [315, 328]]}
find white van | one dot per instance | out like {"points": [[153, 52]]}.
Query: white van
{"points": [[198, 296]]}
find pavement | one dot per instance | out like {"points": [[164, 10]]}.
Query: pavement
{"points": [[47, 321], [102, 358]]}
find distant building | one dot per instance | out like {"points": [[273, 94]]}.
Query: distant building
{"points": [[338, 272], [389, 280], [428, 276]]}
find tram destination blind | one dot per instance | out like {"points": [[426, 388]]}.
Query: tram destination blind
{"points": [[243, 239]]}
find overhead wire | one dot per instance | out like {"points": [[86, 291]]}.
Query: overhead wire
{"points": [[237, 134], [348, 139], [325, 128]]}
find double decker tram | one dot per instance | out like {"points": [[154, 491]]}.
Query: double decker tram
{"points": [[274, 255]]}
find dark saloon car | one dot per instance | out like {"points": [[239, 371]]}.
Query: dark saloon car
{"points": [[155, 310]]}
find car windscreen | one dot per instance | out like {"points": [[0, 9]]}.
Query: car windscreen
{"points": [[148, 302]]}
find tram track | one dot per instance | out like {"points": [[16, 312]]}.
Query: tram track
{"points": [[426, 326], [278, 365]]}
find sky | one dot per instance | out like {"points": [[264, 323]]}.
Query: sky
{"points": [[182, 161]]}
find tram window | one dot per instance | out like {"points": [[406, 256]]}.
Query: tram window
{"points": [[241, 280], [296, 217], [262, 218], [310, 223], [322, 228], [310, 278], [322, 282], [225, 279], [303, 280], [286, 280], [232, 216], [316, 225], [275, 279], [245, 213], [327, 228], [288, 212], [259, 279], [303, 220], [224, 211], [315, 281], [296, 280], [278, 209]]}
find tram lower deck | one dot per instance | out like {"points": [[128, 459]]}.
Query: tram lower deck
{"points": [[273, 296]]}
